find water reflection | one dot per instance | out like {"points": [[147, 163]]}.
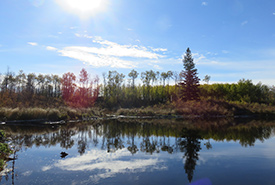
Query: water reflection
{"points": [[189, 143], [113, 147], [107, 164]]}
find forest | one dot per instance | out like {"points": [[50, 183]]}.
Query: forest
{"points": [[31, 90], [147, 89]]}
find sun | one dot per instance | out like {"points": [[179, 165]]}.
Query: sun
{"points": [[83, 8]]}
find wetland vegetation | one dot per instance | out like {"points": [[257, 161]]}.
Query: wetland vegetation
{"points": [[5, 151]]}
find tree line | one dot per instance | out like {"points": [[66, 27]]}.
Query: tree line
{"points": [[31, 90], [147, 88]]}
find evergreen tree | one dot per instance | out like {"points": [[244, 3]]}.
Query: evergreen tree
{"points": [[190, 84]]}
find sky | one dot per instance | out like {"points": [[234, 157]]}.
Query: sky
{"points": [[229, 39]]}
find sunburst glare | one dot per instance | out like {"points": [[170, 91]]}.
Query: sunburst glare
{"points": [[83, 8]]}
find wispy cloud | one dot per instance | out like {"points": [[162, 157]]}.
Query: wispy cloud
{"points": [[211, 53], [201, 59], [198, 57], [244, 23], [83, 54], [32, 43], [114, 49], [159, 49], [51, 48], [107, 164], [225, 51], [106, 53], [27, 173], [204, 3], [155, 66]]}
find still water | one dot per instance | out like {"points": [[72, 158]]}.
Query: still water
{"points": [[143, 152]]}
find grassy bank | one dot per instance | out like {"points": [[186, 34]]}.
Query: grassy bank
{"points": [[204, 109], [49, 114], [5, 151]]}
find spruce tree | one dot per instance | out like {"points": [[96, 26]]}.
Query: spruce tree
{"points": [[190, 83]]}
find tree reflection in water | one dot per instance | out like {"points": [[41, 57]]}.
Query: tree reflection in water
{"points": [[190, 145], [148, 137], [133, 148]]}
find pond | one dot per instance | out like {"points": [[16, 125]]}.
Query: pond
{"points": [[194, 152]]}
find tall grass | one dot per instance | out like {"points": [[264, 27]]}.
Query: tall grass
{"points": [[51, 114], [28, 113], [203, 108]]}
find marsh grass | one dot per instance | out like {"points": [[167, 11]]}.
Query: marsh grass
{"points": [[156, 110], [203, 108], [51, 114]]}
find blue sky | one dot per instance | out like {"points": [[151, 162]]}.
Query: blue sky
{"points": [[229, 39]]}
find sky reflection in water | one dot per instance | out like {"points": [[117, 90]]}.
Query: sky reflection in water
{"points": [[134, 153]]}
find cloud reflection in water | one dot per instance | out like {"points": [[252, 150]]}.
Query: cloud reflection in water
{"points": [[108, 164]]}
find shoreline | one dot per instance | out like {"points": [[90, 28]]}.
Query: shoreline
{"points": [[204, 109], [40, 122]]}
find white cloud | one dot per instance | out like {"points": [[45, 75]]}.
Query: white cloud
{"points": [[225, 51], [51, 48], [211, 53], [106, 53], [244, 23], [201, 59], [107, 164], [27, 173], [155, 66], [198, 57], [77, 35], [114, 49], [83, 54], [274, 13], [158, 49], [204, 3], [32, 43]]}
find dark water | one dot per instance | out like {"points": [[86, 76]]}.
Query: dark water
{"points": [[143, 152]]}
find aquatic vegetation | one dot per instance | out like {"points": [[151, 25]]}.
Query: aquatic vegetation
{"points": [[5, 151]]}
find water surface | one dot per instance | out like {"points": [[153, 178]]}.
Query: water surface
{"points": [[143, 152]]}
